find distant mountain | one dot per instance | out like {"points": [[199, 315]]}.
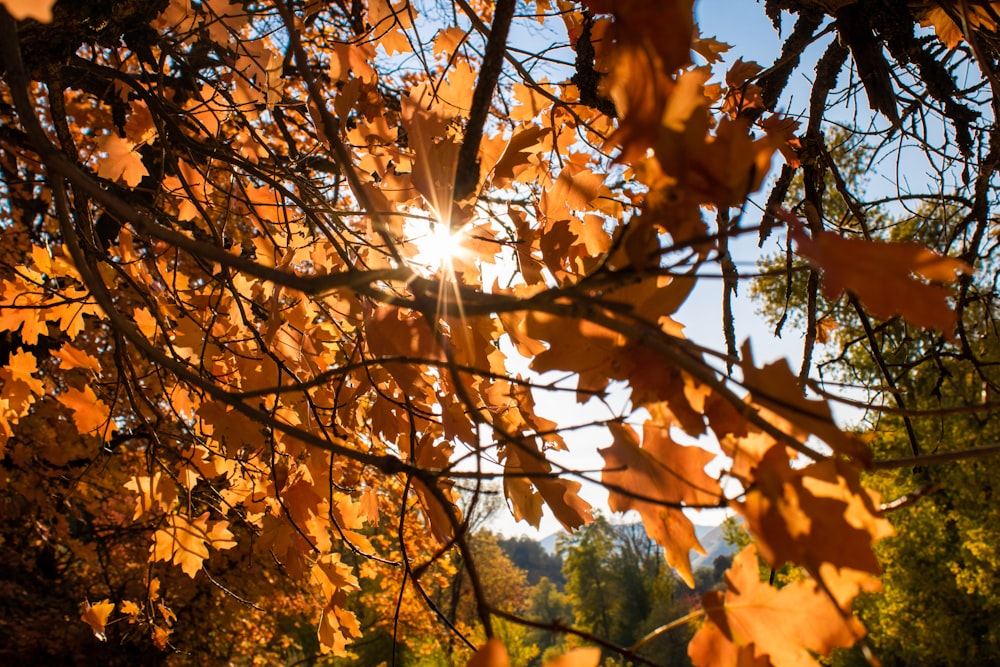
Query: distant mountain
{"points": [[712, 538]]}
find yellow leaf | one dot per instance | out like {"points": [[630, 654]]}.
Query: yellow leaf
{"points": [[96, 616]]}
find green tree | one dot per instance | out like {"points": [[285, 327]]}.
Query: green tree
{"points": [[620, 588]]}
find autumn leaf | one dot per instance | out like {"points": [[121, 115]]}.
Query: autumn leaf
{"points": [[526, 467], [432, 455], [777, 389], [579, 657], [122, 162], [186, 542], [96, 616], [153, 492], [490, 654], [889, 278], [749, 613], [819, 517], [71, 357], [663, 474], [710, 49], [89, 412], [40, 10], [337, 626]]}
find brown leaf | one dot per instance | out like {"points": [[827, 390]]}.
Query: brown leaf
{"points": [[889, 278]]}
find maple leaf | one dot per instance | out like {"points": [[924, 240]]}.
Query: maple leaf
{"points": [[776, 388], [525, 467], [667, 27], [40, 10], [71, 357], [431, 455], [748, 615], [337, 626], [890, 278], [665, 474], [522, 145], [153, 492], [819, 517], [89, 412], [709, 48], [186, 542], [122, 162], [96, 616], [22, 366], [131, 609]]}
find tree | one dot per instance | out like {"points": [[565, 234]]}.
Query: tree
{"points": [[531, 557], [282, 280], [936, 606]]}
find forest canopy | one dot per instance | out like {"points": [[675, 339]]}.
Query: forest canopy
{"points": [[289, 289]]}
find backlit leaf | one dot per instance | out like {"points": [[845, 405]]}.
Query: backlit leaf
{"points": [[96, 616], [748, 613]]}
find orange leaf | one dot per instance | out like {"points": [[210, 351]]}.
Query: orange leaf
{"points": [[785, 626], [490, 654], [819, 517], [523, 143], [562, 496], [122, 163], [96, 616], [889, 278], [186, 542], [665, 474], [89, 412], [337, 626], [153, 492], [666, 26], [40, 10], [22, 365], [580, 657], [70, 358], [777, 389], [431, 455]]}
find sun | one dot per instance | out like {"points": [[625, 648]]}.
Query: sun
{"points": [[434, 245]]}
